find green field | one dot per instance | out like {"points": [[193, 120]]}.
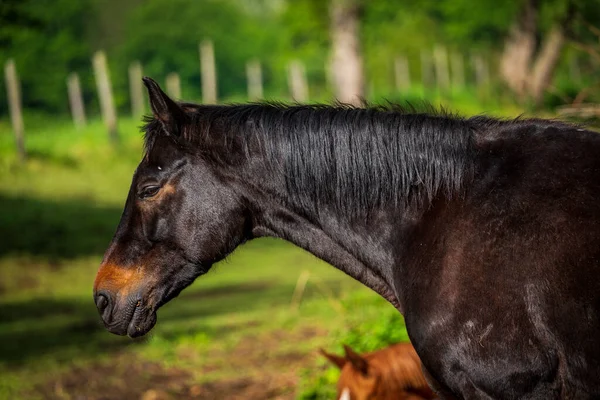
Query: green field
{"points": [[244, 331], [234, 328], [234, 332]]}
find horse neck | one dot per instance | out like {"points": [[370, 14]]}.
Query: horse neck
{"points": [[301, 197], [365, 248]]}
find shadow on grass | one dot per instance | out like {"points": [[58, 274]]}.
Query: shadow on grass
{"points": [[65, 229], [58, 159], [66, 328], [70, 328]]}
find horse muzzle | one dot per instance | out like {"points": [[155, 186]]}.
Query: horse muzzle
{"points": [[125, 316]]}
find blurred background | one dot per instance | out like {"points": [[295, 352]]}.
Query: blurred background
{"points": [[71, 103]]}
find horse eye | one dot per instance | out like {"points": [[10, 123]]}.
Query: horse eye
{"points": [[148, 191]]}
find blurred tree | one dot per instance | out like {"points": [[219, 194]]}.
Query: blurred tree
{"points": [[529, 34], [164, 36], [580, 81], [548, 56], [346, 60], [51, 38], [47, 39], [531, 57], [392, 28], [472, 25], [303, 33], [519, 48]]}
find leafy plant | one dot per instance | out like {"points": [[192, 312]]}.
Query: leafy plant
{"points": [[364, 331]]}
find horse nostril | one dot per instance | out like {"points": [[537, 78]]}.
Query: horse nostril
{"points": [[102, 302]]}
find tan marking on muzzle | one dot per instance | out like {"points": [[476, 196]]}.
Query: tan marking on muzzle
{"points": [[118, 279]]}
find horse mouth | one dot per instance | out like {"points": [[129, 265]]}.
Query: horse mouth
{"points": [[137, 321], [142, 321]]}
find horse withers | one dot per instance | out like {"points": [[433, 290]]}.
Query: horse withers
{"points": [[484, 233], [391, 373]]}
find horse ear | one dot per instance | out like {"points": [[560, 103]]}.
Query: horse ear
{"points": [[169, 113], [357, 361], [335, 359]]}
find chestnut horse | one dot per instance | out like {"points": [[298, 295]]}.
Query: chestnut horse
{"points": [[484, 233], [391, 373]]}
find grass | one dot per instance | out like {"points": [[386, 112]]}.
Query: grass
{"points": [[58, 212]]}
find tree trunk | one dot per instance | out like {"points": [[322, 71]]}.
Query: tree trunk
{"points": [[549, 56], [346, 64], [208, 72], [526, 72], [519, 49], [546, 63]]}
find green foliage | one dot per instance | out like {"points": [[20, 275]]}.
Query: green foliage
{"points": [[470, 24], [364, 330], [302, 32], [175, 35], [58, 212], [388, 30], [47, 39], [321, 386]]}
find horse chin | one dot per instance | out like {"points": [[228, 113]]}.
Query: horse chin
{"points": [[142, 322], [144, 318]]}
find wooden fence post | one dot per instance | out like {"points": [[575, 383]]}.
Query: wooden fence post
{"points": [[440, 58], [297, 81], [401, 73], [482, 75], [458, 71], [13, 89], [76, 100], [136, 90], [427, 78], [174, 86], [208, 72], [254, 76], [109, 114]]}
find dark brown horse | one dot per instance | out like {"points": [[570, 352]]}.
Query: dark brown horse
{"points": [[484, 233], [391, 373]]}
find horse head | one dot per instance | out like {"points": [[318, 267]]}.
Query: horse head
{"points": [[180, 217], [393, 372], [358, 380]]}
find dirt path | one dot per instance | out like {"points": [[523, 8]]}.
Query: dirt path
{"points": [[264, 373]]}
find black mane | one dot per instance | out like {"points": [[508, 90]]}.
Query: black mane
{"points": [[353, 159]]}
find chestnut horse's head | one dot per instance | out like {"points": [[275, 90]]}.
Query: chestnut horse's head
{"points": [[390, 373], [179, 218], [357, 381]]}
